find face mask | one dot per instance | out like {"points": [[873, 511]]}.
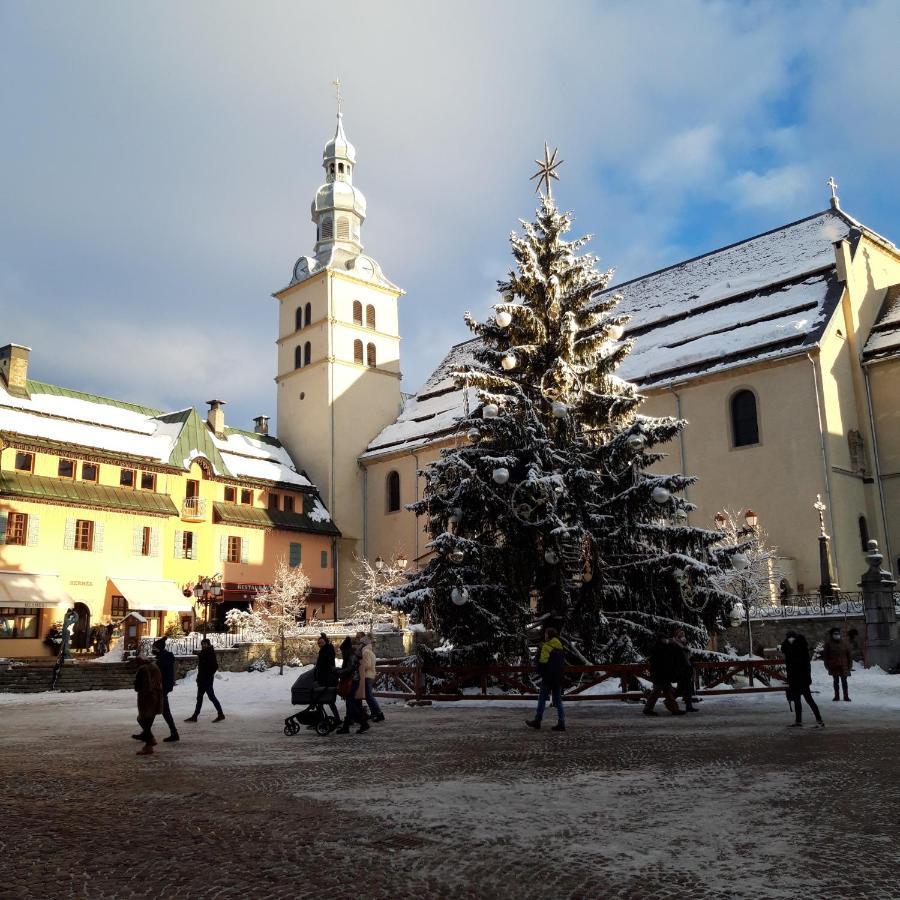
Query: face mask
{"points": [[835, 637], [790, 640]]}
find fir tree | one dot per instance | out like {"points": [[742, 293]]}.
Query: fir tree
{"points": [[548, 508]]}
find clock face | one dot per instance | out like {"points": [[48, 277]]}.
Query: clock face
{"points": [[363, 266], [301, 268]]}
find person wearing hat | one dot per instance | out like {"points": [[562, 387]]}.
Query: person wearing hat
{"points": [[799, 676], [165, 660], [324, 671], [838, 661], [148, 684]]}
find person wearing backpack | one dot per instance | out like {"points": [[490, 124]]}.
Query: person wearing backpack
{"points": [[551, 663]]}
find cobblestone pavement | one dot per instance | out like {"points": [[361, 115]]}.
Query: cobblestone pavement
{"points": [[449, 803]]}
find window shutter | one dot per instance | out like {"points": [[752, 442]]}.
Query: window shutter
{"points": [[154, 542], [34, 529], [245, 551], [3, 522], [69, 535], [295, 556], [192, 550], [178, 547], [223, 548], [137, 540], [98, 536]]}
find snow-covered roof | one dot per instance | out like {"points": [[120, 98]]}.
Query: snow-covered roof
{"points": [[71, 418], [763, 298], [884, 339]]}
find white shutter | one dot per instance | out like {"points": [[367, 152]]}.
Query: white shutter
{"points": [[34, 530], [3, 522], [178, 548], [69, 535], [154, 542], [98, 536], [137, 540], [192, 550], [223, 548], [245, 551]]}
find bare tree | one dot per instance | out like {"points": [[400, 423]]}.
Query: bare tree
{"points": [[753, 575], [278, 608], [370, 582]]}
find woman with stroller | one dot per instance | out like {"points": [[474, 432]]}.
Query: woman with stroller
{"points": [[325, 673], [350, 660]]}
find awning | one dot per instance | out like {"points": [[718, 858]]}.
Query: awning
{"points": [[23, 589], [152, 595]]}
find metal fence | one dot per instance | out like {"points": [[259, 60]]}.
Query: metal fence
{"points": [[189, 644], [846, 603]]}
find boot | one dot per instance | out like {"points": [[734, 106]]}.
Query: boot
{"points": [[219, 718], [558, 728], [689, 707], [650, 712], [171, 738], [533, 723], [344, 729], [364, 727], [835, 697], [820, 723], [192, 718], [378, 718], [143, 737], [846, 698], [146, 750]]}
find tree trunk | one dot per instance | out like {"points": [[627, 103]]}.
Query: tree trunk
{"points": [[281, 670]]}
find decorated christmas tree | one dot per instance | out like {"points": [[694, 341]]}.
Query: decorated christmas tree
{"points": [[546, 510]]}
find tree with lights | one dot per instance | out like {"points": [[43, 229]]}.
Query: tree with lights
{"points": [[547, 510]]}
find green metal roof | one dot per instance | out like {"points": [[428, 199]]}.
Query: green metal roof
{"points": [[63, 449], [82, 493], [41, 387], [232, 514], [194, 437]]}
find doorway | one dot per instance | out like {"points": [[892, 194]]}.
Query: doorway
{"points": [[82, 630]]}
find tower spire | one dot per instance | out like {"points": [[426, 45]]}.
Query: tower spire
{"points": [[338, 96]]}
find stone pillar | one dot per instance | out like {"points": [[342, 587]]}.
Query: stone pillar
{"points": [[882, 641]]}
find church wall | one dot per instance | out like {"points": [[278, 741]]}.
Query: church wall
{"points": [[884, 381], [778, 478]]}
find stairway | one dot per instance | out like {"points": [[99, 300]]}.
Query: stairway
{"points": [[35, 676]]}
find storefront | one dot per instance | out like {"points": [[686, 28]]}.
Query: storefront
{"points": [[29, 604], [158, 602]]}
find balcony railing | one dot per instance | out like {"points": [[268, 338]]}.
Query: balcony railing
{"points": [[193, 509]]}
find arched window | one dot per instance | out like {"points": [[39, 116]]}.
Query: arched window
{"points": [[307, 353], [744, 425], [370, 316], [298, 319], [357, 352], [370, 355], [298, 356], [393, 492], [864, 534], [343, 228], [327, 229], [357, 312], [309, 313], [341, 168]]}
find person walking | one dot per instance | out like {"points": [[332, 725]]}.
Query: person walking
{"points": [[148, 684], [684, 669], [325, 673], [799, 676], [551, 663], [838, 662], [367, 675], [663, 661], [207, 666], [165, 661], [351, 689]]}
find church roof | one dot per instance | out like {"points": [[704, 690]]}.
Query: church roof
{"points": [[763, 298], [884, 339]]}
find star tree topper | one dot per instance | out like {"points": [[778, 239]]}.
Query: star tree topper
{"points": [[547, 169]]}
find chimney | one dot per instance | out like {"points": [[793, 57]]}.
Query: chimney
{"points": [[261, 424], [14, 368], [216, 417]]}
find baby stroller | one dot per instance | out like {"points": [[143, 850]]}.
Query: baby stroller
{"points": [[317, 697]]}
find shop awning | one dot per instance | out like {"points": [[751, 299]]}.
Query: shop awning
{"points": [[23, 589], [152, 595]]}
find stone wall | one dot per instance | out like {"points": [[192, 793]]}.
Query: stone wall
{"points": [[769, 633]]}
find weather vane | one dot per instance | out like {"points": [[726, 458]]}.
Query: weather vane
{"points": [[546, 169], [337, 92]]}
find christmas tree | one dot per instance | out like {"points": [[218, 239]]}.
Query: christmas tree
{"points": [[547, 510]]}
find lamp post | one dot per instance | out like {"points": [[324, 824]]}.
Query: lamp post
{"points": [[206, 591]]}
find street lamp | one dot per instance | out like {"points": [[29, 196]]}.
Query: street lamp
{"points": [[402, 561], [379, 563], [720, 521], [207, 590], [751, 518]]}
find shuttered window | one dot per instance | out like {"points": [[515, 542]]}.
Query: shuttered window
{"points": [[309, 313], [357, 312], [295, 555], [370, 355], [343, 228], [234, 550], [327, 229], [17, 529], [358, 352], [370, 316], [84, 534]]}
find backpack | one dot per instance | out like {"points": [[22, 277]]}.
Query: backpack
{"points": [[556, 662]]}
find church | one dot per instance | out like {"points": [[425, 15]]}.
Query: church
{"points": [[781, 351]]}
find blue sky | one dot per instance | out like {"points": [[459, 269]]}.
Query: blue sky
{"points": [[158, 160]]}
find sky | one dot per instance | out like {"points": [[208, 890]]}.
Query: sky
{"points": [[158, 159]]}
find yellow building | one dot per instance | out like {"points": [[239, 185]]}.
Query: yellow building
{"points": [[112, 507], [782, 352]]}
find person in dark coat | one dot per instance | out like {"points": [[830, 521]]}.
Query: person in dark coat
{"points": [[684, 669], [207, 666], [799, 676], [663, 659], [838, 661], [325, 672], [349, 672], [148, 684], [165, 660]]}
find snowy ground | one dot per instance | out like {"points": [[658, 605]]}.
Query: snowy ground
{"points": [[452, 801]]}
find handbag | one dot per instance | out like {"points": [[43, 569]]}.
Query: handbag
{"points": [[345, 686]]}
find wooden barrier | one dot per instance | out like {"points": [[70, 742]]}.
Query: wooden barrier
{"points": [[522, 682]]}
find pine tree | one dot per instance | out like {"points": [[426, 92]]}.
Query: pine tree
{"points": [[547, 509]]}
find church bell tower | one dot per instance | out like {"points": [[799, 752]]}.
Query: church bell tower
{"points": [[338, 352]]}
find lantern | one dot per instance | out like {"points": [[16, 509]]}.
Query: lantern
{"points": [[739, 561], [490, 411], [508, 361], [559, 409], [616, 332], [460, 596], [501, 475], [503, 318]]}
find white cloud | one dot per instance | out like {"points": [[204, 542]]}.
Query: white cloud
{"points": [[776, 189]]}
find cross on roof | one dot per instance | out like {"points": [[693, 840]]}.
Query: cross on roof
{"points": [[546, 169], [833, 185], [337, 92]]}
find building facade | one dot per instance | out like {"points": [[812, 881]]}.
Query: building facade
{"points": [[111, 507]]}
